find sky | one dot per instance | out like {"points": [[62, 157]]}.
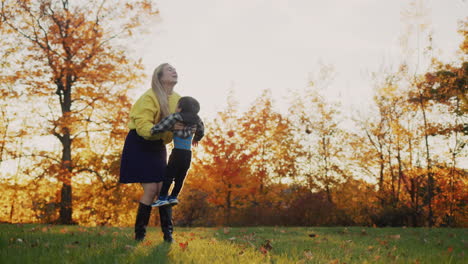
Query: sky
{"points": [[252, 45]]}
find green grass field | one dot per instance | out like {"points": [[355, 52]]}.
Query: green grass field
{"points": [[73, 244]]}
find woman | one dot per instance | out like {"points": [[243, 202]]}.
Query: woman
{"points": [[144, 155]]}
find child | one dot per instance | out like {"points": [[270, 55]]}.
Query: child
{"points": [[179, 161]]}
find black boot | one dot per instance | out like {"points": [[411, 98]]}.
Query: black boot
{"points": [[165, 215], [142, 218]]}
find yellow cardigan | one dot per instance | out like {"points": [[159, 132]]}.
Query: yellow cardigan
{"points": [[145, 113]]}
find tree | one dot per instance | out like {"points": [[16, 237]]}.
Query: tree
{"points": [[271, 141], [223, 169], [72, 62], [447, 87], [317, 129], [273, 147]]}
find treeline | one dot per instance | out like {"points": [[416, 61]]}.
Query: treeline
{"points": [[396, 167]]}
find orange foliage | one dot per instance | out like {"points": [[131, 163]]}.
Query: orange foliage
{"points": [[71, 62]]}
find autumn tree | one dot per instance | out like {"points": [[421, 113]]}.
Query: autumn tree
{"points": [[221, 169], [273, 147], [271, 141], [71, 61], [317, 129], [446, 86]]}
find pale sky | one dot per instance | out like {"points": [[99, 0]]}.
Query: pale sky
{"points": [[251, 45]]}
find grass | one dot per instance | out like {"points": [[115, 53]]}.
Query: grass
{"points": [[31, 243]]}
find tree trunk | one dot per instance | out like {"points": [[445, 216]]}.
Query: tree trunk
{"points": [[64, 93], [227, 215], [66, 209], [400, 173], [430, 178]]}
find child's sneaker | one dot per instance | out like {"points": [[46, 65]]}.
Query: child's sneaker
{"points": [[159, 203], [173, 200]]}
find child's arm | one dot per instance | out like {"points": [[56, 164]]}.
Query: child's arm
{"points": [[165, 124], [200, 131]]}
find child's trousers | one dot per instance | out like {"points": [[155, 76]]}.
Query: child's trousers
{"points": [[177, 167]]}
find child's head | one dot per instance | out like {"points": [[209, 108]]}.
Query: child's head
{"points": [[188, 104]]}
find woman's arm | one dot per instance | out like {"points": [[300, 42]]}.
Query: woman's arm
{"points": [[166, 124], [143, 113]]}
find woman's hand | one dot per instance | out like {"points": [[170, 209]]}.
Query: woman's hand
{"points": [[179, 126]]}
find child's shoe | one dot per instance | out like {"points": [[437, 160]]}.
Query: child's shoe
{"points": [[160, 202], [173, 200]]}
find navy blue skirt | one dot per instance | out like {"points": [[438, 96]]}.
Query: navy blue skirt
{"points": [[142, 160]]}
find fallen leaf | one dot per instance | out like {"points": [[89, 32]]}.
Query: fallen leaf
{"points": [[226, 230], [263, 250], [64, 230], [377, 257], [344, 231], [183, 246], [267, 245], [147, 243], [364, 232], [232, 238], [383, 242], [335, 261], [449, 249], [395, 236], [308, 254], [250, 237], [129, 247], [192, 234]]}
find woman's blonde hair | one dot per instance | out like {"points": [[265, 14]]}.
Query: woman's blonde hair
{"points": [[158, 89]]}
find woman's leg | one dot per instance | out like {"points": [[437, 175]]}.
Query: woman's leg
{"points": [[150, 190]]}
